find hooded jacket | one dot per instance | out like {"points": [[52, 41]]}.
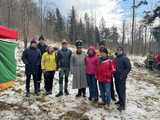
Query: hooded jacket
{"points": [[48, 62], [105, 70], [91, 62]]}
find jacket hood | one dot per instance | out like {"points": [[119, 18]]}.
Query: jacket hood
{"points": [[93, 49]]}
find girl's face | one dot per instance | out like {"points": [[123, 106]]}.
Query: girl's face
{"points": [[102, 54], [64, 45], [90, 52], [50, 49]]}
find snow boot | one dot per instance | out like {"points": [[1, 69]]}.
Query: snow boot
{"points": [[59, 94], [79, 93]]}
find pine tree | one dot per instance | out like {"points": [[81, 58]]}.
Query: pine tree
{"points": [[80, 31], [97, 35], [114, 35], [73, 26], [60, 25], [104, 31], [87, 28]]}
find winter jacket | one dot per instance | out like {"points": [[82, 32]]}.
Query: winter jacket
{"points": [[157, 57], [48, 62], [43, 48], [123, 66], [64, 58], [91, 63], [31, 57], [105, 70]]}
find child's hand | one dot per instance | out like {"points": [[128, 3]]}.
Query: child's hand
{"points": [[43, 70]]}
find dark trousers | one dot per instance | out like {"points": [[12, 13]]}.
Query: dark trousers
{"points": [[112, 91], [49, 80], [64, 72], [150, 63], [121, 90], [82, 91], [28, 79], [158, 67], [92, 84], [39, 78]]}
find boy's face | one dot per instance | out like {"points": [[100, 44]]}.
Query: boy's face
{"points": [[119, 51], [79, 49], [64, 45], [34, 45]]}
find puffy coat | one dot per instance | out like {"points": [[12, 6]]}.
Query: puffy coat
{"points": [[91, 63], [32, 59], [105, 70], [48, 62], [157, 58], [64, 58]]}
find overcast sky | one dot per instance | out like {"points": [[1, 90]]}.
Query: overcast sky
{"points": [[113, 11]]}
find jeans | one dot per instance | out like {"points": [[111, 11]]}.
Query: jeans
{"points": [[92, 84], [105, 89], [49, 80], [64, 72]]}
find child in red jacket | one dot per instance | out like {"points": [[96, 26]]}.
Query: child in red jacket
{"points": [[91, 61], [104, 74]]}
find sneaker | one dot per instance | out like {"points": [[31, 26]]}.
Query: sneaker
{"points": [[107, 107], [59, 94], [95, 99], [101, 103]]}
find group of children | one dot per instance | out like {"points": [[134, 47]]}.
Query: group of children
{"points": [[90, 70]]}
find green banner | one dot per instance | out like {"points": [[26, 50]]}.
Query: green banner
{"points": [[7, 61]]}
